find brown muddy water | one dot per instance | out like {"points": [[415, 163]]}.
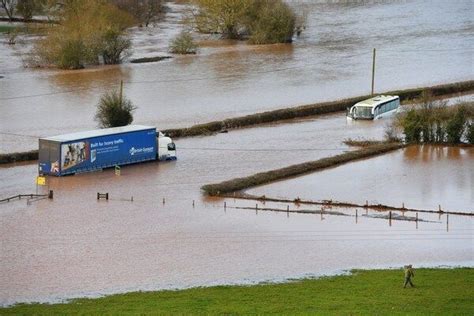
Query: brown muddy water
{"points": [[420, 177], [419, 43], [76, 246]]}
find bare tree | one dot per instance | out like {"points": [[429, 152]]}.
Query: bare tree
{"points": [[144, 11], [27, 8], [9, 7]]}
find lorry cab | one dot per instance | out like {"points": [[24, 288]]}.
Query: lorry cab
{"points": [[166, 147]]}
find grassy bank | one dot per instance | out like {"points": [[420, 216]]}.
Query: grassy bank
{"points": [[312, 110], [366, 292], [296, 170], [7, 28]]}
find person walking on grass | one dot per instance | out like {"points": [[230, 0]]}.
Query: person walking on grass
{"points": [[408, 275]]}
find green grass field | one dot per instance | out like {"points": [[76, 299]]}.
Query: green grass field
{"points": [[6, 28], [371, 292]]}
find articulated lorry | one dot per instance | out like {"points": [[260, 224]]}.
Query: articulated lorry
{"points": [[98, 149]]}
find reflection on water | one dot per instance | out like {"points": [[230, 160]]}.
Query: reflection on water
{"points": [[421, 177], [428, 154], [80, 81], [419, 43], [78, 246]]}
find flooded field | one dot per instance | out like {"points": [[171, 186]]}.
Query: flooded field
{"points": [[426, 176], [419, 43], [75, 245], [171, 236]]}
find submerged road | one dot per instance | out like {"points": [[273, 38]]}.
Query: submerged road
{"points": [[420, 43]]}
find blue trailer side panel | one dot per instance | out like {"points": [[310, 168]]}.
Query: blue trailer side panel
{"points": [[106, 151]]}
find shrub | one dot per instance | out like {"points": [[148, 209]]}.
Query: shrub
{"points": [[455, 126], [114, 47], [12, 36], [470, 133], [144, 11], [440, 132], [391, 133], [436, 124], [183, 44], [412, 126], [262, 21], [87, 29], [71, 54], [226, 17], [113, 110], [26, 8], [271, 22]]}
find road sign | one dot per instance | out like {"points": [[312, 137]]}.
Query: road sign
{"points": [[41, 180]]}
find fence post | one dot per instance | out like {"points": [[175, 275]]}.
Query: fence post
{"points": [[447, 222]]}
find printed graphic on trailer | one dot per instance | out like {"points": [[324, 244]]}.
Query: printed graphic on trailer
{"points": [[74, 154], [107, 151], [54, 167]]}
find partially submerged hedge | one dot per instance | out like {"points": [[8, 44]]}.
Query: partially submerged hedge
{"points": [[149, 59], [281, 114], [296, 170], [311, 110], [362, 142], [22, 156]]}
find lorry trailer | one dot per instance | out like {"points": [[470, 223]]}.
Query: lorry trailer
{"points": [[103, 148]]}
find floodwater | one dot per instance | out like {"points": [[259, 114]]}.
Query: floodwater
{"points": [[76, 246], [420, 177], [419, 43]]}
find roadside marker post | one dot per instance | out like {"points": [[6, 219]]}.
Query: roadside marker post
{"points": [[40, 180], [117, 170]]}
